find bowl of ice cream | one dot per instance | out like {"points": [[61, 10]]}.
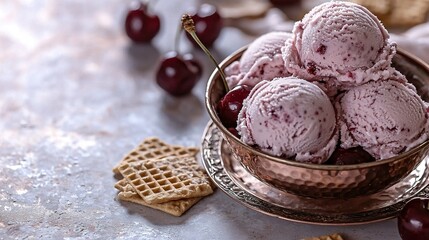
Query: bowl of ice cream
{"points": [[300, 120]]}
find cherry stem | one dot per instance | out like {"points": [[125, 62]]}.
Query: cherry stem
{"points": [[189, 25]]}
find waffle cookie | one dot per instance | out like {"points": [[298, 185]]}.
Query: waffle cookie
{"points": [[175, 208], [398, 13], [155, 148], [334, 236], [166, 179]]}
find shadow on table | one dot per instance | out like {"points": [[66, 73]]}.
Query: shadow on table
{"points": [[142, 57], [181, 113]]}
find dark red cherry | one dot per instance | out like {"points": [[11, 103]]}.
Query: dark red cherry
{"points": [[413, 220], [208, 24], [177, 75], [140, 26], [234, 132], [282, 3], [349, 156], [230, 105]]}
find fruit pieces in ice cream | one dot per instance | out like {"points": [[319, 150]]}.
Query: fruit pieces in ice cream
{"points": [[338, 48], [289, 117], [337, 38], [262, 60], [340, 44], [383, 117]]}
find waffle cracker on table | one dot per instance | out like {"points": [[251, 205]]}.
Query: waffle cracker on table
{"points": [[175, 208], [398, 13], [166, 179], [334, 236], [155, 148]]}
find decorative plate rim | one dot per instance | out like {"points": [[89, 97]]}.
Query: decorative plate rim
{"points": [[212, 162]]}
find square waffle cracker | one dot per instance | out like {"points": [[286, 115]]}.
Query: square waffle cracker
{"points": [[155, 148], [175, 208], [334, 236], [166, 179]]}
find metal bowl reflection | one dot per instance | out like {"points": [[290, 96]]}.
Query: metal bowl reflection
{"points": [[324, 181]]}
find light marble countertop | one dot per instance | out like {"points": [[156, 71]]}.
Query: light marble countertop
{"points": [[75, 96]]}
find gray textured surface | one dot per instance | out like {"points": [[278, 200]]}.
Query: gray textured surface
{"points": [[75, 96]]}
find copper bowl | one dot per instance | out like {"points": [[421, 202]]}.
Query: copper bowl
{"points": [[324, 181]]}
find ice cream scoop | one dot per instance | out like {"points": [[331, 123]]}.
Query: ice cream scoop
{"points": [[341, 42], [261, 61], [384, 117], [289, 117]]}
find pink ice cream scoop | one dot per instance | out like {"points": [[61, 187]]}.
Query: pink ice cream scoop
{"points": [[384, 117], [262, 60], [341, 42], [289, 117]]}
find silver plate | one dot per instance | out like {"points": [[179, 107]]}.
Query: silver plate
{"points": [[231, 178]]}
